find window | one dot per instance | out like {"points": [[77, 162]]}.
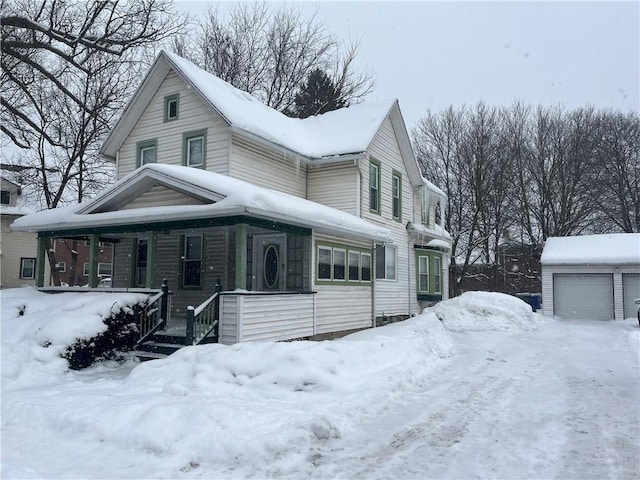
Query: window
{"points": [[437, 273], [140, 279], [354, 266], [386, 256], [171, 104], [61, 266], [343, 265], [5, 197], [374, 186], [339, 261], [104, 269], [85, 269], [396, 195], [27, 268], [192, 261], [194, 148], [324, 263], [146, 152], [365, 267], [423, 274]]}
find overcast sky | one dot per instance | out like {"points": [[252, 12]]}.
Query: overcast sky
{"points": [[431, 55]]}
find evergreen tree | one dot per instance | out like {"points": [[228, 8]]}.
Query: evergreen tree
{"points": [[317, 95]]}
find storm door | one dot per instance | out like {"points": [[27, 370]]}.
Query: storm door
{"points": [[269, 262]]}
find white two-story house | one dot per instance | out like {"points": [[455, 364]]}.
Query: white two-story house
{"points": [[310, 226]]}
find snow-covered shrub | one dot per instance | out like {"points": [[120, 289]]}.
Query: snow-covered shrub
{"points": [[120, 336]]}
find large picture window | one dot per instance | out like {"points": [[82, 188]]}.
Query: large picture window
{"points": [[194, 148], [28, 268], [374, 186], [192, 261], [386, 262]]}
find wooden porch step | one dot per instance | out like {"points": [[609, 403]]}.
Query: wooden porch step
{"points": [[159, 347], [146, 356]]}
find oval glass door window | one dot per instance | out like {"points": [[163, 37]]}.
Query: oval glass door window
{"points": [[271, 265]]}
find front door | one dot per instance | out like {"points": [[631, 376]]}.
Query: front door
{"points": [[269, 262]]}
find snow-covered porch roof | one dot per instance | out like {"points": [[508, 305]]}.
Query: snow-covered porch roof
{"points": [[218, 200]]}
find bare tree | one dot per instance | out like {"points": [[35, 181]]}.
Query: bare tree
{"points": [[68, 69], [270, 54]]}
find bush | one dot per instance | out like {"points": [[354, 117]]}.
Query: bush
{"points": [[121, 336]]}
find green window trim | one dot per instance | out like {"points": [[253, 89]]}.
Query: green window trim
{"points": [[334, 265], [375, 173], [433, 259], [191, 262], [190, 148], [171, 107], [396, 195], [146, 152]]}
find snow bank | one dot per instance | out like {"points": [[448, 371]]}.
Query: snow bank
{"points": [[479, 311], [37, 327]]}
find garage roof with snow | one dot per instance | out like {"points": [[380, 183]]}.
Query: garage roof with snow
{"points": [[605, 249]]}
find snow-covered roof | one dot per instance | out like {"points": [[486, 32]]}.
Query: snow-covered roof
{"points": [[238, 198], [340, 132], [15, 210], [605, 249]]}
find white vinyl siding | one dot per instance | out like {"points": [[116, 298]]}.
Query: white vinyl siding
{"points": [[246, 318], [335, 186], [269, 168], [194, 114], [630, 291], [160, 196]]}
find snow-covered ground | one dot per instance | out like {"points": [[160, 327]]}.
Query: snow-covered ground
{"points": [[476, 388]]}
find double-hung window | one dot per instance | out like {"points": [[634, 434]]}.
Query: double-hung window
{"points": [[5, 197], [423, 274], [437, 274], [27, 268], [324, 263], [192, 261], [396, 195], [354, 266], [339, 262], [194, 148], [386, 262], [147, 151], [343, 265], [374, 186]]}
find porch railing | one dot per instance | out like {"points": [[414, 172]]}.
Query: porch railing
{"points": [[204, 319], [155, 314]]}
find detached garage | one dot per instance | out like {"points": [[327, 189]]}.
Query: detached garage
{"points": [[591, 276]]}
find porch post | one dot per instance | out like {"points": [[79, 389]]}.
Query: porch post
{"points": [[241, 256], [152, 243], [41, 257], [93, 260]]}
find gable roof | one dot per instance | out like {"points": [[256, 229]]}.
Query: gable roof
{"points": [[227, 197], [605, 249], [340, 132]]}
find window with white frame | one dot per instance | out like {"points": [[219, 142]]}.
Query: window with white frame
{"points": [[171, 103], [28, 268], [423, 273], [339, 261], [194, 148], [386, 262], [324, 263], [104, 269], [374, 186], [437, 275], [354, 266], [61, 266], [396, 195], [85, 269], [343, 265], [147, 152]]}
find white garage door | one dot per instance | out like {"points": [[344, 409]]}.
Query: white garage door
{"points": [[583, 296], [630, 291]]}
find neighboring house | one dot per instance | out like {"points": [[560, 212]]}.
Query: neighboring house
{"points": [[17, 249], [311, 226], [68, 248], [591, 276]]}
